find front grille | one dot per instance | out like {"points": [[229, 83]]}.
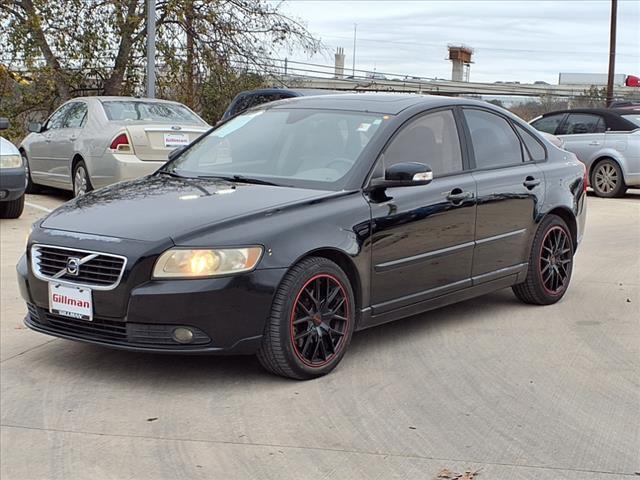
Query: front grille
{"points": [[112, 331], [98, 270]]}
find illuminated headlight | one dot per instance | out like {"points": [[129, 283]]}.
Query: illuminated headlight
{"points": [[10, 161], [179, 263]]}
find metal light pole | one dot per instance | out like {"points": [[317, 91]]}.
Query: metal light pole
{"points": [[612, 51], [355, 27], [151, 48]]}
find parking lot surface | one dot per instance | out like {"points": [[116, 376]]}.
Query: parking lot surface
{"points": [[491, 384]]}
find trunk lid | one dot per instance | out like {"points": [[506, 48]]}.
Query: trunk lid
{"points": [[153, 142]]}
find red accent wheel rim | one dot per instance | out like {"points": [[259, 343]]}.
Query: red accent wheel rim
{"points": [[320, 319], [554, 266]]}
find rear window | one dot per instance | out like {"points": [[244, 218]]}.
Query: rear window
{"points": [[149, 111], [635, 118]]}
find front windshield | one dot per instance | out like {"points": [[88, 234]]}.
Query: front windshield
{"points": [[295, 147], [635, 118]]}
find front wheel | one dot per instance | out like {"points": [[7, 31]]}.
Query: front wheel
{"points": [[12, 208], [550, 264], [311, 321]]}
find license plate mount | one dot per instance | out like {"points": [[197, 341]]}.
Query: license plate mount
{"points": [[71, 301]]}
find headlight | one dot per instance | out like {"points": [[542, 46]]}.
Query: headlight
{"points": [[179, 263], [10, 161]]}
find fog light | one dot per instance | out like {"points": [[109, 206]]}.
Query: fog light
{"points": [[183, 335], [3, 194]]}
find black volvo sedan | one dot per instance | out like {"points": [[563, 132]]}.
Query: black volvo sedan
{"points": [[287, 228]]}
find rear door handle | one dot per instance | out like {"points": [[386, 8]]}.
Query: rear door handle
{"points": [[457, 195], [531, 182], [594, 143]]}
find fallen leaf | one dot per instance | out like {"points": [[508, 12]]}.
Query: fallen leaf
{"points": [[152, 419], [445, 473]]}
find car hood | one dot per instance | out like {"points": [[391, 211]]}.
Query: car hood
{"points": [[7, 148], [159, 207]]}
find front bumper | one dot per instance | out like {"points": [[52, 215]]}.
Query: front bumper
{"points": [[12, 183], [226, 314]]}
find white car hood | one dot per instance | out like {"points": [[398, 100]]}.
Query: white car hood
{"points": [[7, 148]]}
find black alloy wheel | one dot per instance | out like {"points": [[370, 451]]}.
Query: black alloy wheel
{"points": [[555, 260], [311, 322], [319, 320], [550, 264]]}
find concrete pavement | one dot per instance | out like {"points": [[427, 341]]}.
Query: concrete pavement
{"points": [[520, 392]]}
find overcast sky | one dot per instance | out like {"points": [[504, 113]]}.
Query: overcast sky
{"points": [[513, 39]]}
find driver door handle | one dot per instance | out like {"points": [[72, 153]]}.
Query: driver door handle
{"points": [[595, 143]]}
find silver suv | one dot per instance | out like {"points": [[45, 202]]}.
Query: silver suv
{"points": [[607, 141]]}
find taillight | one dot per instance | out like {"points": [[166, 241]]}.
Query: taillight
{"points": [[121, 143]]}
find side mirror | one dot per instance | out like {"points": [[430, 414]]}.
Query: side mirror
{"points": [[405, 175], [4, 123], [176, 152], [35, 127]]}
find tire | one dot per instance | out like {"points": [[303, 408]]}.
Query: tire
{"points": [[81, 180], [607, 180], [302, 341], [12, 208], [31, 187], [550, 264]]}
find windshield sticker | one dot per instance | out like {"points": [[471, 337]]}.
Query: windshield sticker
{"points": [[364, 127]]}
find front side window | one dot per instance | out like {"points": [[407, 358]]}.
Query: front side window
{"points": [[159, 112], [548, 124], [295, 147], [579, 123], [76, 115], [534, 147], [56, 120], [431, 139], [495, 144]]}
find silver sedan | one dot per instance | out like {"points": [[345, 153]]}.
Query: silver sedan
{"points": [[90, 142]]}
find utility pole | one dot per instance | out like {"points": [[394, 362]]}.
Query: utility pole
{"points": [[188, 15], [355, 27], [151, 48], [612, 51]]}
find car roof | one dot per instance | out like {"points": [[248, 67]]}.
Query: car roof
{"points": [[294, 92], [107, 98], [385, 103]]}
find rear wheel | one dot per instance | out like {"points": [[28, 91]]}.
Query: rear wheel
{"points": [[13, 208], [311, 321], [550, 264], [607, 180], [81, 181]]}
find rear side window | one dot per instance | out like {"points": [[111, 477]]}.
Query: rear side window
{"points": [[431, 139], [548, 124], [534, 147], [76, 115], [495, 144], [578, 123]]}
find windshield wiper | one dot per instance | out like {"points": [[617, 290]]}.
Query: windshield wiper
{"points": [[241, 178], [171, 174]]}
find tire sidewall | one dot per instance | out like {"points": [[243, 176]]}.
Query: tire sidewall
{"points": [[297, 283], [620, 185], [89, 187]]}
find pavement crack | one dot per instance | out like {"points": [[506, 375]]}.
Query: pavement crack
{"points": [[28, 350]]}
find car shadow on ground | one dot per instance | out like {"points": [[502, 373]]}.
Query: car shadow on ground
{"points": [[189, 370]]}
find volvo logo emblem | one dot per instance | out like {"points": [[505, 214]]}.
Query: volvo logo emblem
{"points": [[73, 266]]}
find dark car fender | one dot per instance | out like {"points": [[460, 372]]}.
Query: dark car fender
{"points": [[336, 226]]}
